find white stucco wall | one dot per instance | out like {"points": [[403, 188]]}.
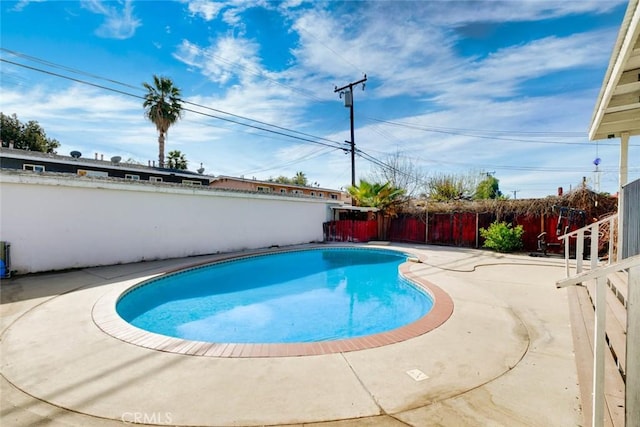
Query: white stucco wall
{"points": [[56, 222]]}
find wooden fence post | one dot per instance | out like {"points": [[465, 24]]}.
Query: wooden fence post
{"points": [[477, 230], [426, 227]]}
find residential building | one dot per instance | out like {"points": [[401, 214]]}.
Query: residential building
{"points": [[97, 167], [243, 184]]}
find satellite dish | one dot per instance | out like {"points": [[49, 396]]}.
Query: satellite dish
{"points": [[75, 154], [201, 170], [116, 159], [597, 161]]}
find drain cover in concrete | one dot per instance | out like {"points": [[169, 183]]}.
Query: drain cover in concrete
{"points": [[417, 374]]}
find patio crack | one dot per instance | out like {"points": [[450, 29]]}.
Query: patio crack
{"points": [[382, 412]]}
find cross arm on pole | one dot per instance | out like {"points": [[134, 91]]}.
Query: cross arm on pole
{"points": [[351, 85]]}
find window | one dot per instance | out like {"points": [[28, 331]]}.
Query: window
{"points": [[334, 196], [34, 168], [132, 177], [155, 179], [313, 194], [264, 189], [190, 182], [320, 195], [283, 190], [296, 192], [84, 172]]}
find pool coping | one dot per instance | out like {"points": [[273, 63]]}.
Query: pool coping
{"points": [[106, 318]]}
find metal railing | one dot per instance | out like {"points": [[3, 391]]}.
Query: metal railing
{"points": [[599, 273]]}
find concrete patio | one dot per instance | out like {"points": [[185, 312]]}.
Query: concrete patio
{"points": [[504, 358]]}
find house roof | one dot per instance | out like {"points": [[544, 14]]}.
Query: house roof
{"points": [[617, 108], [85, 161], [354, 208], [273, 183]]}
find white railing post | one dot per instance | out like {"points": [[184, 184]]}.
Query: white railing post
{"points": [[566, 255], [594, 229], [598, 353], [579, 250], [612, 224], [632, 387], [595, 242], [632, 395]]}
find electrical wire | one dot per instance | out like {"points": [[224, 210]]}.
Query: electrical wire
{"points": [[306, 157], [480, 133], [332, 144], [309, 138]]}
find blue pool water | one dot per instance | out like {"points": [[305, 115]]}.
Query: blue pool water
{"points": [[300, 296]]}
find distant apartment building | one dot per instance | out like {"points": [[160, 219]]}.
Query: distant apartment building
{"points": [[95, 167], [243, 184]]}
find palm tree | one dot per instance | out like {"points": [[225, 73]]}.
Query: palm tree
{"points": [[300, 179], [385, 197], [177, 160], [163, 107]]}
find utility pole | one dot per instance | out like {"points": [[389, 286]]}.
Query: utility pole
{"points": [[347, 91]]}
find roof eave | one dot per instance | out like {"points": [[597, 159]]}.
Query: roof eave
{"points": [[622, 51]]}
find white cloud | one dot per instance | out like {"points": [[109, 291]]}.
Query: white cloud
{"points": [[408, 52], [229, 58], [416, 75], [465, 12], [119, 22], [86, 118], [22, 4], [512, 65], [208, 10]]}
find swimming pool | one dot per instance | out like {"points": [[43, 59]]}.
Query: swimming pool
{"points": [[291, 297]]}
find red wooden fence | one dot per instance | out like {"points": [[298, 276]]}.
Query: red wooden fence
{"points": [[350, 231], [454, 229]]}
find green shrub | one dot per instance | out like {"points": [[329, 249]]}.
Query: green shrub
{"points": [[501, 237]]}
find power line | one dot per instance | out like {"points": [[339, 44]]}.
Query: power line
{"points": [[51, 73], [479, 133], [484, 131], [65, 68], [332, 144], [73, 70], [305, 157], [209, 54], [568, 169], [258, 121]]}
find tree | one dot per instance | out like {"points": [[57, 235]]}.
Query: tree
{"points": [[488, 188], [177, 160], [29, 136], [280, 180], [400, 172], [163, 108], [446, 187], [299, 179], [385, 197]]}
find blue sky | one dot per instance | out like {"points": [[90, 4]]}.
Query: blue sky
{"points": [[455, 87]]}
